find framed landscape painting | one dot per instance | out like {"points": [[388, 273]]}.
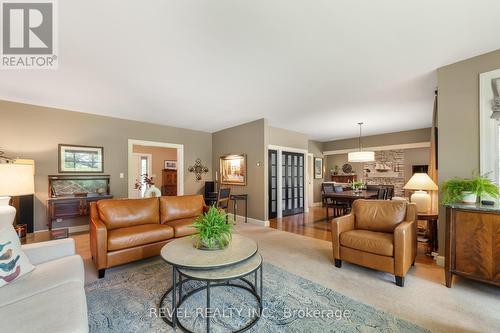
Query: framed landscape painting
{"points": [[81, 159], [233, 169], [318, 168]]}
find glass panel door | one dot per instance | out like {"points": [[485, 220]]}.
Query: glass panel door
{"points": [[292, 183], [273, 183]]}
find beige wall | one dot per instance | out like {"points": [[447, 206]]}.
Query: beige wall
{"points": [[158, 156], [286, 138], [251, 139], [414, 136], [458, 120], [34, 132], [316, 148]]}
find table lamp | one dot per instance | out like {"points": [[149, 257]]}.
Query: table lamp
{"points": [[15, 180], [421, 182]]}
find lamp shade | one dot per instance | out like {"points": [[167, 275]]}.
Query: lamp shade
{"points": [[361, 156], [16, 179], [421, 181]]}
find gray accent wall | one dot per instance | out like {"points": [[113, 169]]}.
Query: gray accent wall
{"points": [[458, 120], [252, 139], [33, 132]]}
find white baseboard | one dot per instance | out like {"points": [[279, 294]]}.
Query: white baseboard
{"points": [[241, 219], [440, 261], [317, 204]]}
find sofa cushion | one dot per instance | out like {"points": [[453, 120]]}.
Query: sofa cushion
{"points": [[13, 262], [119, 213], [180, 207], [137, 235], [58, 310], [369, 241], [183, 227], [46, 276], [378, 215]]}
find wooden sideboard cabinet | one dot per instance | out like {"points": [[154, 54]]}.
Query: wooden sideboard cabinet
{"points": [[70, 195], [69, 207], [473, 243], [169, 182], [344, 178]]}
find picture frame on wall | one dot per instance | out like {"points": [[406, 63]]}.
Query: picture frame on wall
{"points": [[80, 159], [233, 169], [170, 165], [318, 168]]}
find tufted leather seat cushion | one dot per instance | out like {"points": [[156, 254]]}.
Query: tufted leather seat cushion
{"points": [[137, 235], [369, 241]]}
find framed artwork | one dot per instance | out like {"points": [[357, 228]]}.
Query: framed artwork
{"points": [[81, 159], [170, 165], [318, 168], [233, 169]]}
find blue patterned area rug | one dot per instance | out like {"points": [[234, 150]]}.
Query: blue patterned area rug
{"points": [[127, 301]]}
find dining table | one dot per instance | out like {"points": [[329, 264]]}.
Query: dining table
{"points": [[349, 197]]}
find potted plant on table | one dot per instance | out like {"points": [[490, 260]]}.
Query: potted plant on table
{"points": [[214, 230], [468, 190]]}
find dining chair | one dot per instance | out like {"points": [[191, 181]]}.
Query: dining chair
{"points": [[223, 198]]}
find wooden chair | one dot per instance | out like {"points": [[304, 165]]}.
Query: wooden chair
{"points": [[339, 208], [223, 198]]}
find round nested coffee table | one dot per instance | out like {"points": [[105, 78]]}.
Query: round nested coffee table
{"points": [[218, 268]]}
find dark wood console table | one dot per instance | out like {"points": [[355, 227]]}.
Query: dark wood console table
{"points": [[235, 198], [70, 195], [473, 243], [69, 207]]}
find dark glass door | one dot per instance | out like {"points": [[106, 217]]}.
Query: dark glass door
{"points": [[292, 167], [273, 183]]}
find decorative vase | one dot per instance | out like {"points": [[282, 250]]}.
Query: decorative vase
{"points": [[469, 197], [152, 191]]}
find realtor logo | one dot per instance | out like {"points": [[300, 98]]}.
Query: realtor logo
{"points": [[28, 35]]}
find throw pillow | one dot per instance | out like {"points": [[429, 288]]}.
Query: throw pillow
{"points": [[13, 262]]}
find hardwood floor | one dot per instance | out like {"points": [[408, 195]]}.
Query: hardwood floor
{"points": [[314, 224]]}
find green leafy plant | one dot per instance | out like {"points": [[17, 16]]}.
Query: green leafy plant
{"points": [[357, 184], [214, 229], [453, 189], [482, 185]]}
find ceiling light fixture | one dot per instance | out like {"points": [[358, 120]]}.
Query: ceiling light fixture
{"points": [[360, 155]]}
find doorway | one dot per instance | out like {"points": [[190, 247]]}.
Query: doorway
{"points": [[158, 159], [273, 183], [292, 173], [141, 166]]}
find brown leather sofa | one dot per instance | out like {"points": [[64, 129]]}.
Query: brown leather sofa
{"points": [[125, 230], [379, 234]]}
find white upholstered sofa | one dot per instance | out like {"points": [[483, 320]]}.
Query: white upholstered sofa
{"points": [[51, 298]]}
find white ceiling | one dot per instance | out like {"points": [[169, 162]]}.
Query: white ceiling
{"points": [[316, 67]]}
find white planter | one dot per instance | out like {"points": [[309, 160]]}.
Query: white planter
{"points": [[469, 197], [152, 191]]}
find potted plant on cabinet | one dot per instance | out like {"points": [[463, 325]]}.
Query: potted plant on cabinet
{"points": [[214, 230], [468, 190]]}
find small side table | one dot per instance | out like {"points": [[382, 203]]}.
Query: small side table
{"points": [[432, 220], [235, 198]]}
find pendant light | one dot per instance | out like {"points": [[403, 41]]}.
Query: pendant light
{"points": [[360, 155]]}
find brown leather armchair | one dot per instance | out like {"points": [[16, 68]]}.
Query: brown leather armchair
{"points": [[125, 230], [379, 234]]}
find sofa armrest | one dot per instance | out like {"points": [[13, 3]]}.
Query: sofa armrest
{"points": [[340, 225], [405, 247], [47, 251], [98, 238]]}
